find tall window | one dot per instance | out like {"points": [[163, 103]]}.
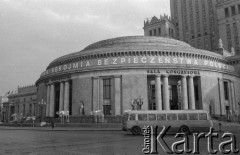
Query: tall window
{"points": [[226, 91], [226, 12], [236, 40], [233, 10], [23, 109], [229, 37], [159, 31], [30, 109], [150, 32], [155, 32], [238, 8], [107, 88]]}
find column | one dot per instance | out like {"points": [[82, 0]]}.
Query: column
{"points": [[184, 93], [61, 97], [221, 97], [117, 95], [234, 109], [66, 96], [166, 105], [158, 94], [48, 102], [52, 101], [191, 93]]}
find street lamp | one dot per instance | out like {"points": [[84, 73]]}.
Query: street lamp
{"points": [[41, 104]]}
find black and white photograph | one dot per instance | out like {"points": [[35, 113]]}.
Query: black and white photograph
{"points": [[119, 77]]}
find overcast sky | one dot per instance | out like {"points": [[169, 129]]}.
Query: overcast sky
{"points": [[34, 32]]}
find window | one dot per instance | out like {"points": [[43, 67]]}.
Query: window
{"points": [[229, 37], [225, 85], [150, 32], [159, 31], [30, 109], [142, 117], [182, 116], [151, 117], [155, 32], [23, 109], [203, 116], [132, 117], [233, 10], [161, 117], [238, 8], [193, 116], [226, 12], [171, 116], [107, 88]]}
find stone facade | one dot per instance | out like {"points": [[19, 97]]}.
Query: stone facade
{"points": [[23, 102], [162, 27], [164, 73], [196, 23], [229, 27]]}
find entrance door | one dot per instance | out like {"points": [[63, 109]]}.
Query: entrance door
{"points": [[107, 109], [173, 90]]}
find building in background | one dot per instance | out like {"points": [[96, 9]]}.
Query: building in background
{"points": [[228, 12], [154, 73], [196, 22], [3, 100], [23, 102], [162, 27]]}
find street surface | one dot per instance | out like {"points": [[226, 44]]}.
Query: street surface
{"points": [[85, 142]]}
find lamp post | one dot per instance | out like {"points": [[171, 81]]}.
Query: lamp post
{"points": [[41, 104]]}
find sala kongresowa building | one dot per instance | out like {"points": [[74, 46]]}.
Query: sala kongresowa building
{"points": [[167, 74]]}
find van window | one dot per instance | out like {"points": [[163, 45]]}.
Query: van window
{"points": [[142, 117], [193, 116], [151, 117], [132, 117], [203, 116], [182, 116], [161, 117], [171, 116]]}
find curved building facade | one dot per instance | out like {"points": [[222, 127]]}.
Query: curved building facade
{"points": [[163, 73]]}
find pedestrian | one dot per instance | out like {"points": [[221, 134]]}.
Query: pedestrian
{"points": [[52, 124]]}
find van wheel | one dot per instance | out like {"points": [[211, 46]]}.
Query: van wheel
{"points": [[184, 129], [136, 130]]}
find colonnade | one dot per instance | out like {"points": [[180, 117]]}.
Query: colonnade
{"points": [[188, 94], [63, 98]]}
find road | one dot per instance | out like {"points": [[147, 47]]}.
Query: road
{"points": [[41, 142]]}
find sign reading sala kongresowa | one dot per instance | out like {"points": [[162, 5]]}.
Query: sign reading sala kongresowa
{"points": [[136, 60]]}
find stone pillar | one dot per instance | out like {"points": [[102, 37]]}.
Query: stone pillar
{"points": [[191, 93], [221, 97], [166, 105], [234, 109], [158, 93], [52, 101], [117, 95], [61, 97], [66, 96], [48, 102], [184, 93]]}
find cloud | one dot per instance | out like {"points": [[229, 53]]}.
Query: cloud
{"points": [[35, 32]]}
